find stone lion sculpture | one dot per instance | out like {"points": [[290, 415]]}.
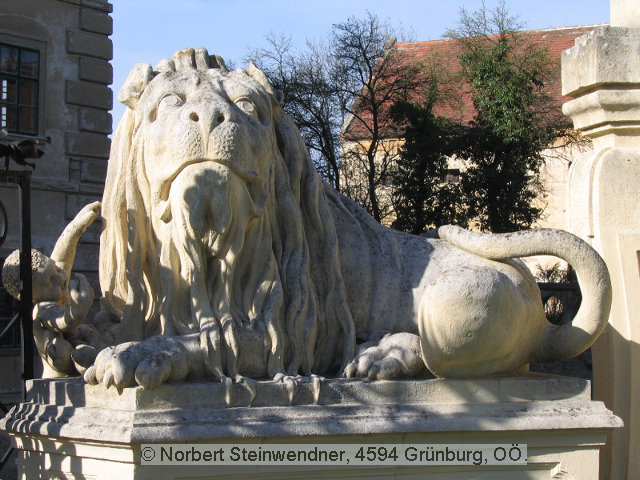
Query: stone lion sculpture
{"points": [[224, 256]]}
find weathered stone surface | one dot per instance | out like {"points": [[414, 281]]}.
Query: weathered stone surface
{"points": [[96, 21], [87, 144], [534, 402], [75, 203], [604, 110], [101, 5], [95, 70], [94, 120], [74, 170], [553, 416], [92, 236], [603, 72], [61, 300], [89, 44], [93, 171], [89, 94], [221, 242], [625, 13], [209, 182], [610, 52], [87, 258], [225, 258], [43, 25]]}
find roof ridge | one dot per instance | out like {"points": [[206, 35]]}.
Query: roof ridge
{"points": [[550, 29], [570, 27], [447, 50]]}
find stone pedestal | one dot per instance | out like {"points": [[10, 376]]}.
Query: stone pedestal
{"points": [[602, 73], [69, 430]]}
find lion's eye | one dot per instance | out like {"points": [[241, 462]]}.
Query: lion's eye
{"points": [[247, 107], [167, 102]]}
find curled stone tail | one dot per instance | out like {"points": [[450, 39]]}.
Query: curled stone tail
{"points": [[558, 342]]}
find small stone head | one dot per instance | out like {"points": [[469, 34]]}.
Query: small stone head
{"points": [[49, 282]]}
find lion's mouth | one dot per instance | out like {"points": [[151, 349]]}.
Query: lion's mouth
{"points": [[164, 184], [248, 176], [212, 201]]}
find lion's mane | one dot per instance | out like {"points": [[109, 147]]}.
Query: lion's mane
{"points": [[311, 326]]}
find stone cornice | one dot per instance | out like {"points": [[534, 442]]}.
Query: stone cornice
{"points": [[103, 5]]}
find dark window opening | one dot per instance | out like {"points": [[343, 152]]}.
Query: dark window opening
{"points": [[452, 175], [19, 78], [9, 307]]}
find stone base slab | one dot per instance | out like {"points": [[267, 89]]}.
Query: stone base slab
{"points": [[69, 430]]}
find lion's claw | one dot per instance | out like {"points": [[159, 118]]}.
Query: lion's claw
{"points": [[250, 385], [394, 356], [290, 384], [148, 364]]}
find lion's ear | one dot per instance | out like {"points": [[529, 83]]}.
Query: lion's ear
{"points": [[136, 82], [262, 79]]}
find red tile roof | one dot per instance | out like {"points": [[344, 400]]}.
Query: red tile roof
{"points": [[555, 40]]}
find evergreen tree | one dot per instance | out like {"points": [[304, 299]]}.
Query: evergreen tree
{"points": [[513, 125], [423, 198]]}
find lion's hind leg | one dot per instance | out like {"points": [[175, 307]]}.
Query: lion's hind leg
{"points": [[478, 321], [396, 355]]}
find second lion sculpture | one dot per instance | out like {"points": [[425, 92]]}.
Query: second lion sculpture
{"points": [[225, 256]]}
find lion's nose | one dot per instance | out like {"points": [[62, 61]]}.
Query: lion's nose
{"points": [[194, 117], [209, 114]]}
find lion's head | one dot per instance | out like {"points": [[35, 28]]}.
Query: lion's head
{"points": [[214, 212]]}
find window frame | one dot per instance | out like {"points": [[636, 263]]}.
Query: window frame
{"points": [[20, 79], [39, 45]]}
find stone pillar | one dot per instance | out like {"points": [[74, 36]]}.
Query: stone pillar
{"points": [[602, 74]]}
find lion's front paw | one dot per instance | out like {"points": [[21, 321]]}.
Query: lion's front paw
{"points": [[395, 356], [149, 363]]}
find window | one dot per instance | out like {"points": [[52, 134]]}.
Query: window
{"points": [[19, 75], [452, 175]]}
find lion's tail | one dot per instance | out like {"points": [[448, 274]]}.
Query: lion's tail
{"points": [[564, 341]]}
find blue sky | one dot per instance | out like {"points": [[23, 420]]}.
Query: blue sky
{"points": [[149, 30]]}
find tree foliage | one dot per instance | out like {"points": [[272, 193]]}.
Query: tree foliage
{"points": [[349, 84], [353, 79], [507, 74], [503, 145], [309, 97], [371, 78], [423, 197]]}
